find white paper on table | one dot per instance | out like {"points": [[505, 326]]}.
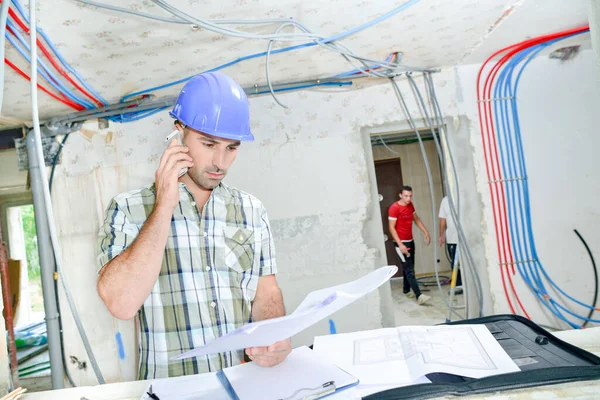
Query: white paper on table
{"points": [[302, 369], [316, 306], [399, 356]]}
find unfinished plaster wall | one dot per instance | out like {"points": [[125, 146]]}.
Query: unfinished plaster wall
{"points": [[310, 165], [557, 104]]}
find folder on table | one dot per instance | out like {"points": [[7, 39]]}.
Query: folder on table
{"points": [[303, 375]]}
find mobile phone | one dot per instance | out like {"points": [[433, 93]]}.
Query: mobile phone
{"points": [[176, 133]]}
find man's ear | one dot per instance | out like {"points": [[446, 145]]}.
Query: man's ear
{"points": [[181, 130]]}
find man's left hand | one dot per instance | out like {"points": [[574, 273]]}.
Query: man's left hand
{"points": [[427, 239], [271, 355]]}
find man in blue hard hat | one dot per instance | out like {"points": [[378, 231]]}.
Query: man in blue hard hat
{"points": [[191, 257]]}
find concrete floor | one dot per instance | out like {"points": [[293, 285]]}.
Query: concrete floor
{"points": [[408, 312]]}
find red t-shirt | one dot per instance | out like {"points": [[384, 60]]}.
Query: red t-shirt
{"points": [[404, 219]]}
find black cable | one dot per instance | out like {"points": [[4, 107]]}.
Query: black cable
{"points": [[430, 280], [595, 277], [60, 326], [55, 161]]}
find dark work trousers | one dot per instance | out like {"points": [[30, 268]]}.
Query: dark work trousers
{"points": [[452, 252], [408, 270]]}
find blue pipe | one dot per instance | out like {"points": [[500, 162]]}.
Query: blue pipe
{"points": [[58, 55], [524, 243], [44, 71]]}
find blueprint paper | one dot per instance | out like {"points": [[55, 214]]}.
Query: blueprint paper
{"points": [[404, 354], [316, 306]]}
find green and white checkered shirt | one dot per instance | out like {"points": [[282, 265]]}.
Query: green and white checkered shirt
{"points": [[209, 274]]}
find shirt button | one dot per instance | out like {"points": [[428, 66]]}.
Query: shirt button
{"points": [[208, 268], [193, 204], [204, 234], [213, 304]]}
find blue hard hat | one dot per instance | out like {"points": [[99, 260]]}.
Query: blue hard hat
{"points": [[214, 104]]}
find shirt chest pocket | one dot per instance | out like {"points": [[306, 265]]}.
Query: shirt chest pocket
{"points": [[239, 247]]}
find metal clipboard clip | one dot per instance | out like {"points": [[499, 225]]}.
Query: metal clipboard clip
{"points": [[315, 393]]}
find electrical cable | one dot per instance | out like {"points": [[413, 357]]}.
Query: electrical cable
{"points": [[57, 299], [45, 51], [177, 20], [412, 124], [595, 301], [295, 36], [57, 53], [3, 20], [45, 72], [43, 89], [46, 193], [267, 62], [523, 51], [454, 209], [462, 237], [286, 49]]}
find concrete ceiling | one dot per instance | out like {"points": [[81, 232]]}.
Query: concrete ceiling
{"points": [[118, 53]]}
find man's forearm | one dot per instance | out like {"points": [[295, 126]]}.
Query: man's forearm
{"points": [[421, 226], [268, 306], [442, 226], [125, 282]]}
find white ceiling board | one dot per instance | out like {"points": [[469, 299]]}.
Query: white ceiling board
{"points": [[118, 54], [529, 19]]}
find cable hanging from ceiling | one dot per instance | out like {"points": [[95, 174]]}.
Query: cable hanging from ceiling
{"points": [[366, 67]]}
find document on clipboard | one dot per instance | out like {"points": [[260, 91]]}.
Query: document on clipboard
{"points": [[303, 375]]}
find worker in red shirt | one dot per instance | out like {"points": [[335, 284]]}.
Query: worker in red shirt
{"points": [[401, 215]]}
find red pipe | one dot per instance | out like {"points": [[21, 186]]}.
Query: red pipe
{"points": [[44, 50], [78, 107], [486, 113]]}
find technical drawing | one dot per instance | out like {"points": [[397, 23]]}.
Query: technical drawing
{"points": [[456, 347]]}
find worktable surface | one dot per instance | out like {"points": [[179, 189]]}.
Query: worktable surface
{"points": [[588, 339]]}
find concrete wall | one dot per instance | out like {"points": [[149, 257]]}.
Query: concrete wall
{"points": [[310, 165], [12, 181]]}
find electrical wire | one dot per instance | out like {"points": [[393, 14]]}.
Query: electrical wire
{"points": [[412, 124], [462, 237], [45, 71], [58, 68], [57, 299], [178, 20], [43, 89], [505, 91], [324, 42], [57, 53], [46, 193], [3, 20], [595, 301]]}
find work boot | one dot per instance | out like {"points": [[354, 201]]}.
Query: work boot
{"points": [[423, 298]]}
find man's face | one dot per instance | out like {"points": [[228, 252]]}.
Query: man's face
{"points": [[212, 157], [406, 197]]}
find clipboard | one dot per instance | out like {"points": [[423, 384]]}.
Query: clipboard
{"points": [[302, 376]]}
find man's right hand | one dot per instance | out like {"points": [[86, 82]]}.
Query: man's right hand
{"points": [[172, 161], [403, 248], [441, 240]]}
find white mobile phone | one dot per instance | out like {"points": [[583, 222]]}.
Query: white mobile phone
{"points": [[177, 134]]}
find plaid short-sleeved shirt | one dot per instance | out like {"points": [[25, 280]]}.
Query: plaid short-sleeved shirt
{"points": [[209, 274]]}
